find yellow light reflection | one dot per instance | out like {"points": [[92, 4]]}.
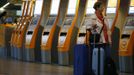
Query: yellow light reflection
{"points": [[112, 3], [132, 3]]}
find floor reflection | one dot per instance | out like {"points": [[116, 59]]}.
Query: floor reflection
{"points": [[13, 67]]}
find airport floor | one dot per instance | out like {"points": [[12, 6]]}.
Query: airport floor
{"points": [[14, 67]]}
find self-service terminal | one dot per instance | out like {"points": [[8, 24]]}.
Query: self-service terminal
{"points": [[64, 30], [65, 51], [20, 36], [29, 35], [46, 54], [62, 39], [126, 49], [18, 26], [49, 50]]}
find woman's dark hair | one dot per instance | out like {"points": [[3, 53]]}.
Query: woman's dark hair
{"points": [[97, 5]]}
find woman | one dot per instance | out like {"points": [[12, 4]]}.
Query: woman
{"points": [[100, 26]]}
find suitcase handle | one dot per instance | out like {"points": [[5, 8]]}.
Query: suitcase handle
{"points": [[94, 40]]}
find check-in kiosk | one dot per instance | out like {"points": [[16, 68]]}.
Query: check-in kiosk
{"points": [[20, 36], [117, 28], [15, 31], [32, 49], [49, 48], [65, 51], [66, 25], [29, 34], [46, 57], [126, 49], [47, 29], [64, 30]]}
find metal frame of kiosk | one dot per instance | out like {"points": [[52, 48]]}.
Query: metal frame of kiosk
{"points": [[49, 50], [65, 51], [32, 50], [126, 49], [117, 27], [15, 32], [20, 40]]}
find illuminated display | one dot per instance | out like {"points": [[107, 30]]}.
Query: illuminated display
{"points": [[68, 21], [130, 22], [129, 25], [51, 20]]}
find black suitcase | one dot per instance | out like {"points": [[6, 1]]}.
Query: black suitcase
{"points": [[110, 67]]}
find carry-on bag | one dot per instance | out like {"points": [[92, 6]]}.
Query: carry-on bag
{"points": [[98, 59], [81, 60]]}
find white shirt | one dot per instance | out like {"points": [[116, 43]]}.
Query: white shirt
{"points": [[96, 21]]}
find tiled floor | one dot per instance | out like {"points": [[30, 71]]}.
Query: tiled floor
{"points": [[12, 67]]}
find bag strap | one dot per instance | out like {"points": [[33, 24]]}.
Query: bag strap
{"points": [[101, 29]]}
